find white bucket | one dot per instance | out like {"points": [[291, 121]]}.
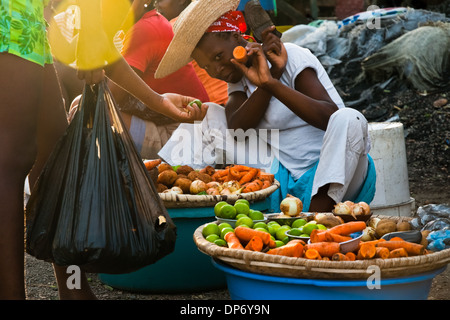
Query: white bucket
{"points": [[392, 197]]}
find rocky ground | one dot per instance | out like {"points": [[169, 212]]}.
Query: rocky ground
{"points": [[426, 120]]}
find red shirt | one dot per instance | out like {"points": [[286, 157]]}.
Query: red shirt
{"points": [[143, 48]]}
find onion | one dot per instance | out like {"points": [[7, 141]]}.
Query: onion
{"points": [[213, 191], [357, 209], [174, 190], [233, 185], [225, 191], [213, 184], [365, 207], [197, 186], [291, 206], [342, 208]]}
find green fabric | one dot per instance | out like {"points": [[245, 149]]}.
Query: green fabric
{"points": [[23, 30]]}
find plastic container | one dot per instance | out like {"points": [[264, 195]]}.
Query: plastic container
{"points": [[186, 269], [251, 286], [392, 197]]}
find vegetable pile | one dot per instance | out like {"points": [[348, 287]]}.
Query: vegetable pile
{"points": [[183, 179], [306, 238]]}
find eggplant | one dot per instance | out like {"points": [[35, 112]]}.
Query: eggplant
{"points": [[411, 235]]}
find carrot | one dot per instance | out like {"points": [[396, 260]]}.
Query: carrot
{"points": [[233, 241], [332, 237], [398, 253], [253, 186], [325, 249], [219, 174], [150, 164], [338, 256], [240, 54], [312, 254], [367, 251], [371, 241], [410, 247], [348, 228], [233, 173], [246, 234], [249, 176], [291, 249], [382, 252], [351, 256], [255, 244], [265, 176], [317, 235], [240, 167], [325, 259], [266, 184], [396, 239]]}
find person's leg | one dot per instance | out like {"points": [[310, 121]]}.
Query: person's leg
{"points": [[52, 123], [343, 160], [20, 87]]}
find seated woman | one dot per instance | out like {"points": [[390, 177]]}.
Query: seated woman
{"points": [[320, 149]]}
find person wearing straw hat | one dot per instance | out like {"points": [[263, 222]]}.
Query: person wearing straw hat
{"points": [[321, 151]]}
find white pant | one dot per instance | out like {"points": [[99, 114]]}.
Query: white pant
{"points": [[343, 157]]}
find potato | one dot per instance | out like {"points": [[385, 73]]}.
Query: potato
{"points": [[167, 177], [209, 170], [184, 170], [164, 166], [160, 187], [329, 220], [385, 226], [403, 226], [184, 184]]}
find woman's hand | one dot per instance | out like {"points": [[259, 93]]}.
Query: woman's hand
{"points": [[178, 108], [258, 73], [275, 51]]}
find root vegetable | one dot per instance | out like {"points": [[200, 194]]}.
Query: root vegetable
{"points": [[325, 249], [164, 166], [339, 257], [255, 244], [313, 254], [246, 234], [342, 208], [385, 226], [328, 219], [291, 249], [184, 184], [184, 170], [403, 226], [367, 250], [398, 253], [348, 228], [382, 252], [291, 206], [197, 186], [233, 241], [167, 177], [365, 207], [411, 248]]}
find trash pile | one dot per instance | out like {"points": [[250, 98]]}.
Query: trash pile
{"points": [[435, 220], [379, 52]]}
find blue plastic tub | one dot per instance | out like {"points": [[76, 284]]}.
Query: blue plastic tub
{"points": [[186, 269], [251, 286]]}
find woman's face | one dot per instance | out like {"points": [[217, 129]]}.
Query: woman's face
{"points": [[213, 53], [170, 8]]}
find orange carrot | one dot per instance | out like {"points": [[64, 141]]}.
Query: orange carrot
{"points": [[240, 167], [396, 239], [246, 234], [233, 173], [351, 256], [150, 164], [240, 54], [317, 235], [313, 254], [371, 241], [325, 249], [291, 249], [219, 174], [348, 228], [233, 241], [255, 244], [338, 256], [266, 184], [265, 176], [367, 250], [325, 259], [253, 186], [410, 247], [332, 237], [382, 252], [398, 253], [249, 176]]}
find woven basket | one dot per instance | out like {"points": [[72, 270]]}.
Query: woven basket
{"points": [[191, 201], [262, 263]]}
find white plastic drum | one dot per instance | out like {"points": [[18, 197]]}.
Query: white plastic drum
{"points": [[392, 197]]}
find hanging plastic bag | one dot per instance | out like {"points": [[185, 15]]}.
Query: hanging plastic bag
{"points": [[94, 205]]}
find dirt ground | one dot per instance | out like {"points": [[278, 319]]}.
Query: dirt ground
{"points": [[427, 129]]}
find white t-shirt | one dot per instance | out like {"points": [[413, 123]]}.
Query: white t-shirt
{"points": [[299, 143]]}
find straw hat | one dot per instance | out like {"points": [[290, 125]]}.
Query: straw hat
{"points": [[189, 28]]}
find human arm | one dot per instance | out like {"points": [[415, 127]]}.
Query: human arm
{"points": [[308, 99], [239, 106]]}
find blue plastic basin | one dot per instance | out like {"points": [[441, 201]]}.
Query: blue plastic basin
{"points": [[251, 286], [186, 269]]}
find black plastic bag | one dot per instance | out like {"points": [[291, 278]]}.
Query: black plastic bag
{"points": [[95, 205]]}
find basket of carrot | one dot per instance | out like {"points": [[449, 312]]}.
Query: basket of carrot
{"points": [[184, 186], [324, 256]]}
